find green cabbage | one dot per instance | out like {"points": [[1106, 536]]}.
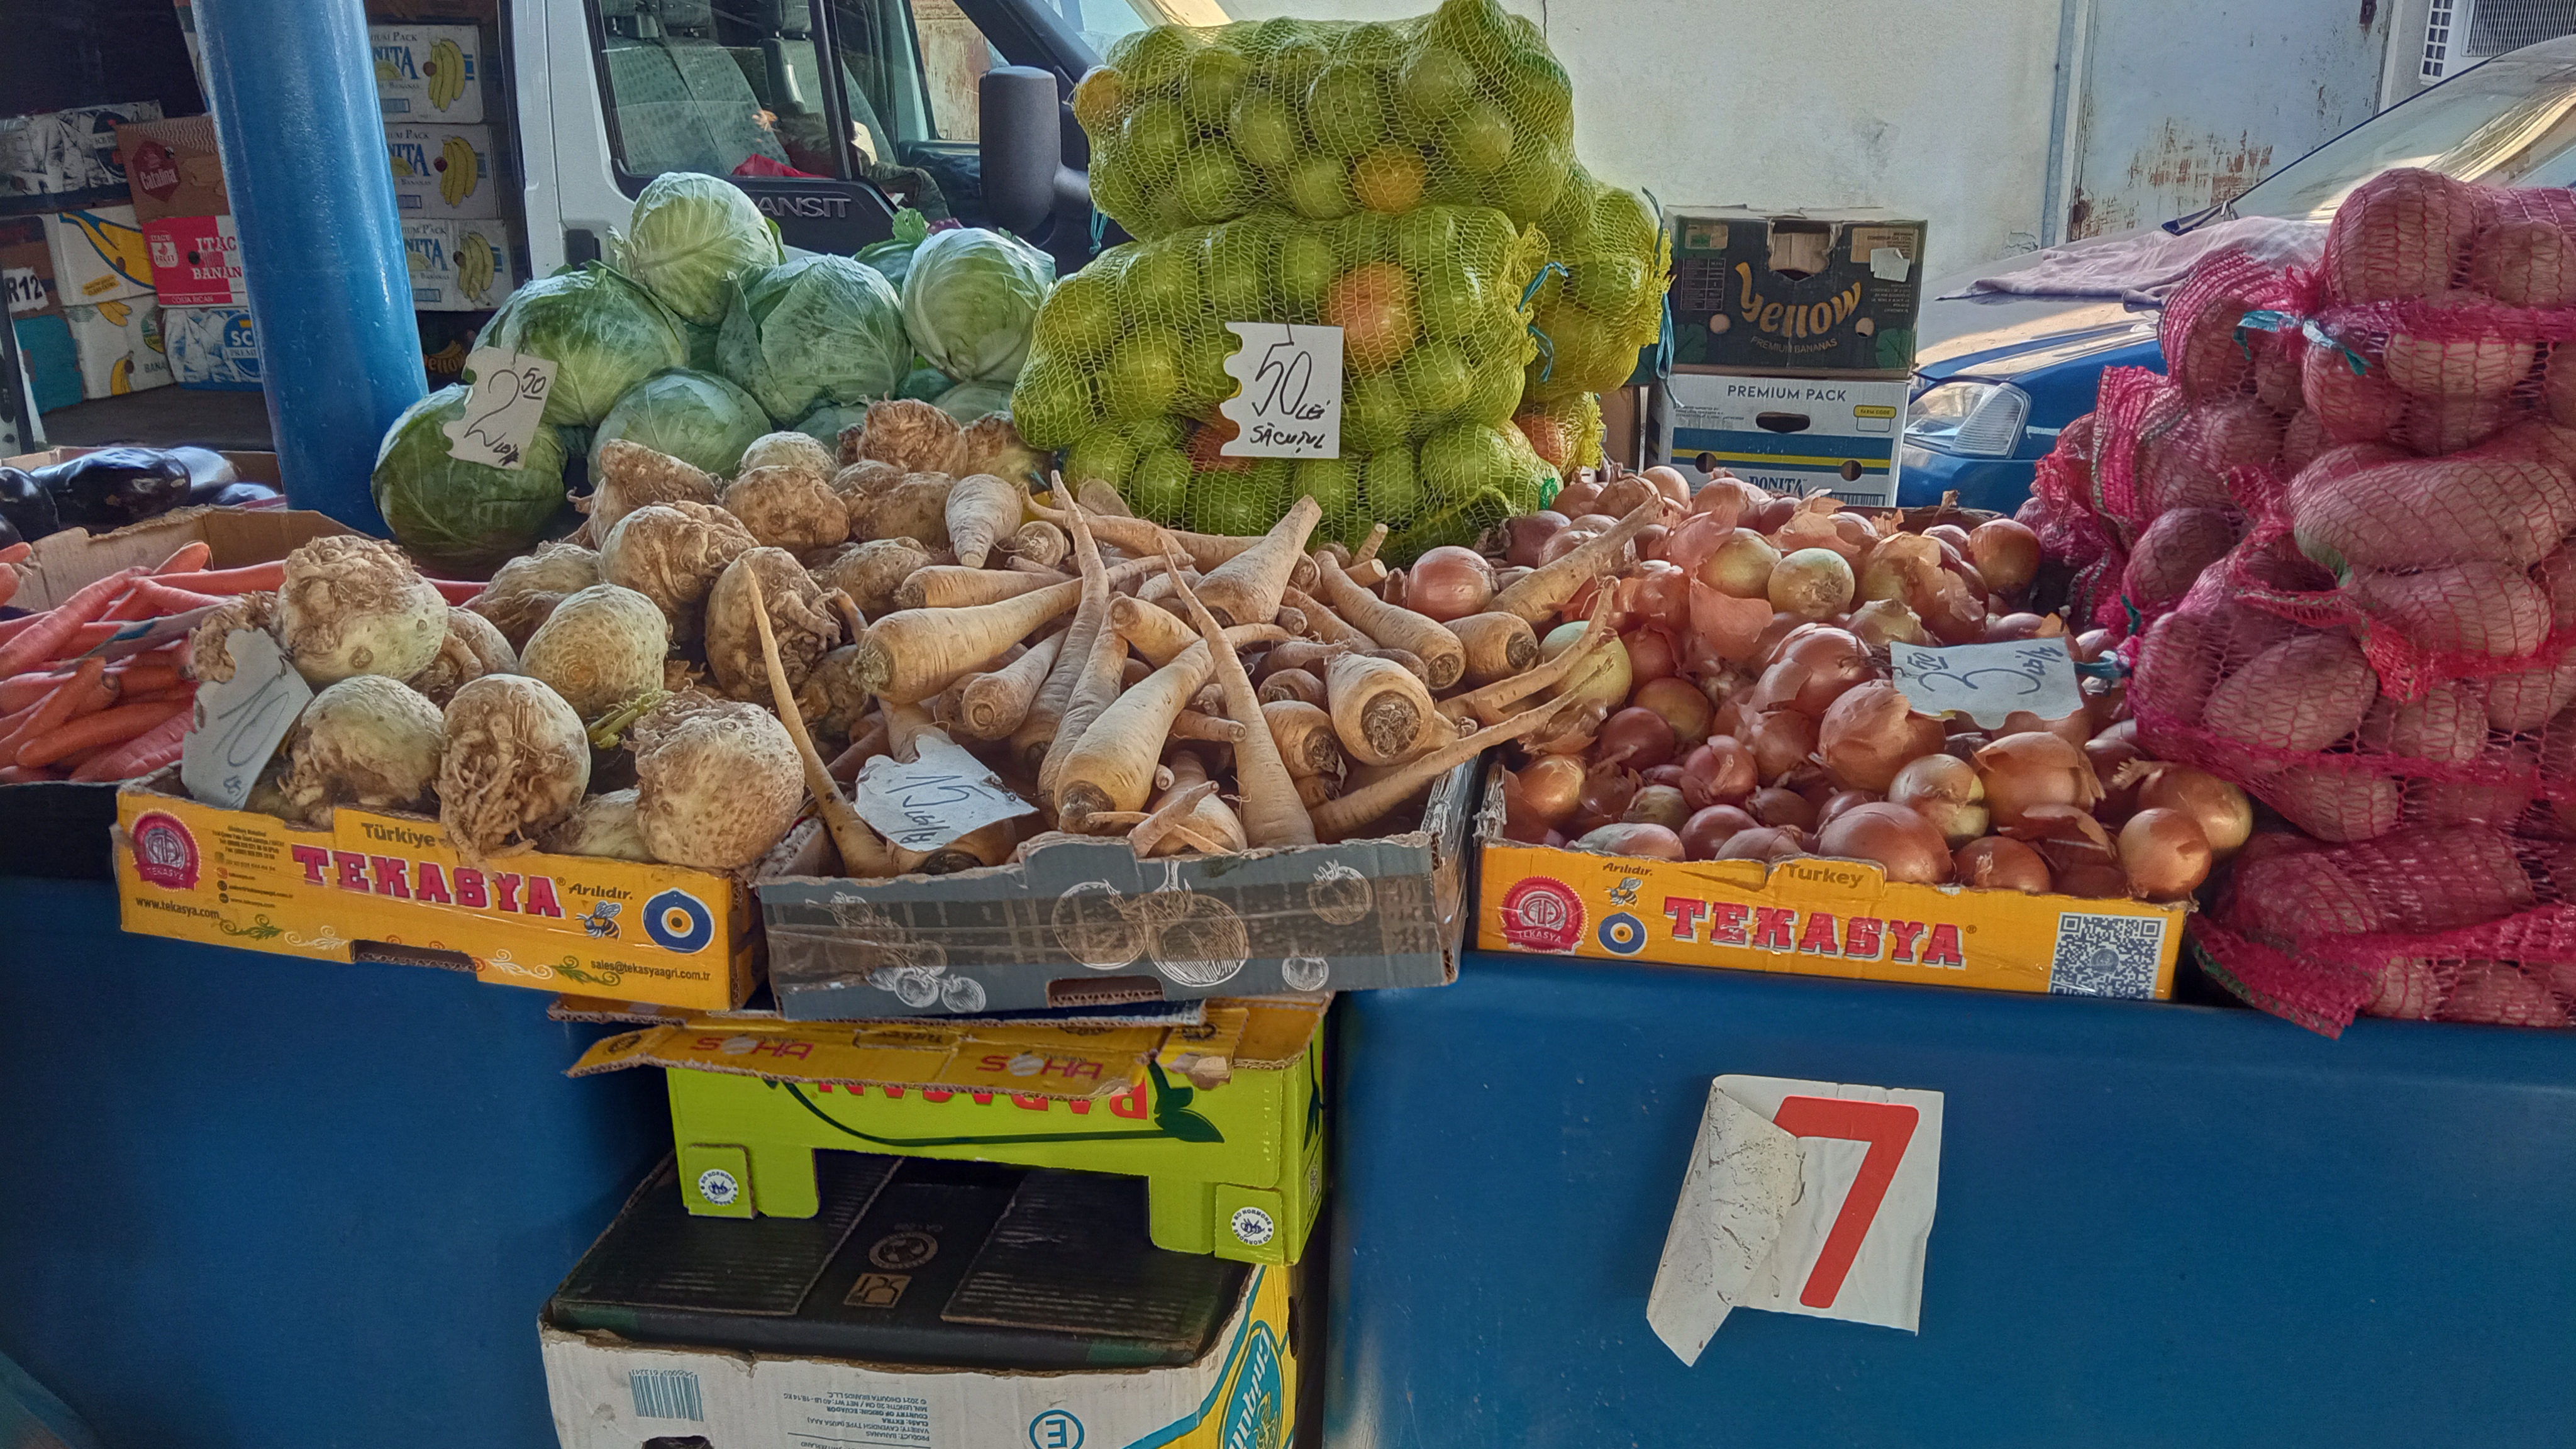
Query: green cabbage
{"points": [[817, 328], [925, 384], [968, 401], [690, 235], [893, 257], [825, 423], [603, 333], [696, 417], [970, 300], [456, 514]]}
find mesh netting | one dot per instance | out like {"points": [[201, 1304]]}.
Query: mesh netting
{"points": [[1566, 433], [1603, 300], [1465, 106]]}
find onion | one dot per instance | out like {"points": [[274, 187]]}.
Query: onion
{"points": [[2076, 729], [1814, 669], [1781, 740], [1775, 806], [2220, 809], [1652, 842], [1994, 863], [2005, 628], [1883, 621], [2032, 769], [1448, 583], [1903, 843], [1764, 842], [2106, 753], [1525, 538], [1606, 791], [1605, 681], [1636, 737], [1719, 772], [1711, 828], [1670, 480], [1657, 590], [1553, 787], [1727, 627], [1626, 493], [1839, 802], [1949, 533], [2500, 992], [1771, 515], [1871, 733], [1651, 540], [1741, 565], [1505, 578], [1812, 583], [1658, 805], [1667, 774], [1650, 653], [2092, 644], [1946, 791], [2095, 882], [1682, 706], [1596, 522], [2005, 553], [2066, 837], [1855, 529], [2164, 854]]}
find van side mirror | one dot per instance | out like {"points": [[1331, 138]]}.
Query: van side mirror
{"points": [[1026, 183]]}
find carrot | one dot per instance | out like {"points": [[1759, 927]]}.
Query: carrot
{"points": [[56, 627], [142, 755], [982, 510], [190, 557], [157, 696], [1443, 657], [107, 727], [1543, 591], [21, 775], [1345, 813], [17, 553], [245, 580], [1272, 813], [153, 674], [1110, 766], [86, 692], [863, 852], [13, 728], [1245, 588], [990, 706], [8, 584], [151, 599]]}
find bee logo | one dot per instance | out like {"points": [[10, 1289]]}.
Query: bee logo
{"points": [[601, 923], [1626, 893]]}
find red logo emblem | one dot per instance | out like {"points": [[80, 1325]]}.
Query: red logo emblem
{"points": [[1542, 915], [165, 854], [155, 170]]}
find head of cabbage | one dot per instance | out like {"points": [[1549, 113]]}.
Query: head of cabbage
{"points": [[696, 417], [893, 257], [603, 333], [970, 299], [815, 329], [451, 512], [968, 401], [690, 235]]}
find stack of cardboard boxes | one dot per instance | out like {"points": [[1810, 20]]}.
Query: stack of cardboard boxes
{"points": [[79, 283], [447, 180], [176, 176], [1793, 348]]}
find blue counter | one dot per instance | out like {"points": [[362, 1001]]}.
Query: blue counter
{"points": [[253, 1202], [2159, 1225]]}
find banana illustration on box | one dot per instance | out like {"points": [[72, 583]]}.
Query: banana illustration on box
{"points": [[120, 377], [121, 247], [116, 313], [457, 176], [475, 266], [402, 165], [446, 74]]}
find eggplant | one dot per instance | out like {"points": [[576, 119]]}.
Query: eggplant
{"points": [[27, 507], [116, 486], [239, 493]]}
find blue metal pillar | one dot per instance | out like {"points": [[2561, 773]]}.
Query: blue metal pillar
{"points": [[322, 252]]}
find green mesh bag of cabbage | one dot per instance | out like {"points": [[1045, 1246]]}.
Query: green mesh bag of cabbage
{"points": [[1603, 301], [1464, 106], [1434, 331], [1567, 432]]}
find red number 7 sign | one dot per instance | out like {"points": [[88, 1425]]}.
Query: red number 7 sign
{"points": [[1887, 1127], [1852, 1245]]}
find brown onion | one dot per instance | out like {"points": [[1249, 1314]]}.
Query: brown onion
{"points": [[1448, 583], [1651, 541], [2031, 769], [1652, 842], [1658, 805], [2092, 644], [1945, 790], [1995, 863], [1775, 806], [1813, 583], [1949, 533], [1711, 828], [2074, 728], [1871, 733], [1605, 680], [1637, 738], [2005, 553], [1525, 537], [1682, 706], [1666, 774], [1782, 739], [1903, 843], [2006, 628], [2107, 752], [2095, 882], [1562, 542], [2066, 837], [1720, 772], [1815, 667], [1881, 622], [1650, 653], [1670, 480], [1838, 802], [2164, 854], [1553, 786], [1607, 789], [1740, 566], [1764, 842], [2220, 809], [1769, 517]]}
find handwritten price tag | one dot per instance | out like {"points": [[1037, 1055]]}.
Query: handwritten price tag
{"points": [[239, 721], [1290, 403], [503, 409], [1986, 682], [944, 794]]}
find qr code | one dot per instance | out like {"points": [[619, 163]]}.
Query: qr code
{"points": [[2106, 955]]}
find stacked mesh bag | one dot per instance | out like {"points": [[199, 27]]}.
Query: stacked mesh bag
{"points": [[1389, 179], [2384, 659], [1600, 303]]}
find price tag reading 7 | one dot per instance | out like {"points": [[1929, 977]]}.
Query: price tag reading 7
{"points": [[1853, 1243], [1887, 1127], [1289, 404]]}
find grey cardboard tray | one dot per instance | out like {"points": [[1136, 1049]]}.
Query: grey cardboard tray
{"points": [[1087, 923]]}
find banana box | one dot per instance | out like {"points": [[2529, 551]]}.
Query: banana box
{"points": [[98, 254], [27, 269], [443, 172], [173, 168], [458, 266], [119, 346], [213, 349], [429, 73], [69, 158], [196, 261]]}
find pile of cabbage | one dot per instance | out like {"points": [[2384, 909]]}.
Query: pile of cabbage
{"points": [[700, 335]]}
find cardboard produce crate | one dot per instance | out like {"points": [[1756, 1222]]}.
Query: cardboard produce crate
{"points": [[1816, 917], [1802, 291], [1793, 435], [1085, 923], [1223, 1116]]}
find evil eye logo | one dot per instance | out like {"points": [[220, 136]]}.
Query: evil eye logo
{"points": [[677, 922], [1623, 934]]}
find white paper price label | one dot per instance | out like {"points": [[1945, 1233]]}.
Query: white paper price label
{"points": [[943, 794], [1987, 682], [239, 721], [1290, 401], [502, 410]]}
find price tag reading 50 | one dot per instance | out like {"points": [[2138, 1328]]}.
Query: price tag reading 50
{"points": [[1290, 401]]}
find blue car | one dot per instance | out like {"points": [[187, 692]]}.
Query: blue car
{"points": [[1998, 376]]}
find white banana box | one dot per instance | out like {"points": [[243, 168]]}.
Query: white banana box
{"points": [[443, 172], [120, 346], [458, 266], [431, 74]]}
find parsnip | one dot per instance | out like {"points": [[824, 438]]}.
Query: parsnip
{"points": [[911, 655], [863, 852], [1107, 767], [1498, 646], [990, 706], [1348, 812], [1304, 733], [1322, 623], [1272, 813], [1378, 709], [1486, 703], [1443, 657], [982, 510], [1154, 631], [1245, 589], [1546, 588]]}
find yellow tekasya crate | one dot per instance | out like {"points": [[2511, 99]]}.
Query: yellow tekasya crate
{"points": [[1817, 917], [381, 887]]}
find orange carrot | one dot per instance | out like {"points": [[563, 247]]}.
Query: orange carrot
{"points": [[13, 729], [190, 558], [142, 755], [20, 775], [42, 641], [107, 727], [158, 696], [8, 584], [247, 579], [86, 692], [132, 678], [150, 599], [17, 553]]}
